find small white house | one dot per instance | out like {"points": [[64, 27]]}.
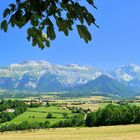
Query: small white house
{"points": [[44, 103], [10, 110]]}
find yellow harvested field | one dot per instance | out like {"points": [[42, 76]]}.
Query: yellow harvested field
{"points": [[95, 98], [86, 106], [128, 132]]}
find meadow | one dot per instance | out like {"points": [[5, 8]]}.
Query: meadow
{"points": [[124, 132], [33, 115]]}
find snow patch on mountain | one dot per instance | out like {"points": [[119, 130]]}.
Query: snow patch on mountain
{"points": [[28, 73]]}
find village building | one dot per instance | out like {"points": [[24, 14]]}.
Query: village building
{"points": [[10, 110]]}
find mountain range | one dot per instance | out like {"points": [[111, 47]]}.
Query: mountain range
{"points": [[43, 76]]}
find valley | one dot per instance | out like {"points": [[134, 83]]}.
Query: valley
{"points": [[57, 97], [50, 116]]}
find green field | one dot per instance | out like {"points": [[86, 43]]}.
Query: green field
{"points": [[127, 132], [137, 104], [102, 105], [39, 114]]}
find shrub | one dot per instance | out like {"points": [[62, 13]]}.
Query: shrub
{"points": [[49, 116]]}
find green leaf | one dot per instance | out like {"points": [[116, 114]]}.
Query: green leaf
{"points": [[89, 19], [39, 41], [34, 21], [34, 42], [48, 43], [84, 33], [28, 38], [13, 6], [6, 12], [51, 33], [4, 26], [92, 3], [12, 20]]}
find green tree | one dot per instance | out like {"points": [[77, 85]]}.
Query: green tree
{"points": [[46, 124], [65, 115], [114, 115], [24, 125], [44, 15], [91, 119], [49, 116]]}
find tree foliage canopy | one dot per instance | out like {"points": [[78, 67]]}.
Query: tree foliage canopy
{"points": [[114, 115], [44, 15]]}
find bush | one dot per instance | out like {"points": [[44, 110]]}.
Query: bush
{"points": [[77, 120], [49, 116], [65, 115]]}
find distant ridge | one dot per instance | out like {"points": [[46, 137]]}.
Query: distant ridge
{"points": [[106, 85], [43, 76]]}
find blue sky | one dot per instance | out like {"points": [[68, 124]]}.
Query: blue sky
{"points": [[116, 42]]}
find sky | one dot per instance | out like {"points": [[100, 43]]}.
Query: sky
{"points": [[116, 42]]}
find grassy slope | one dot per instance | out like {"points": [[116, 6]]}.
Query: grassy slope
{"points": [[40, 115], [127, 132]]}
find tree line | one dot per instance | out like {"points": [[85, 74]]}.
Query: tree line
{"points": [[118, 114], [114, 115], [18, 108]]}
